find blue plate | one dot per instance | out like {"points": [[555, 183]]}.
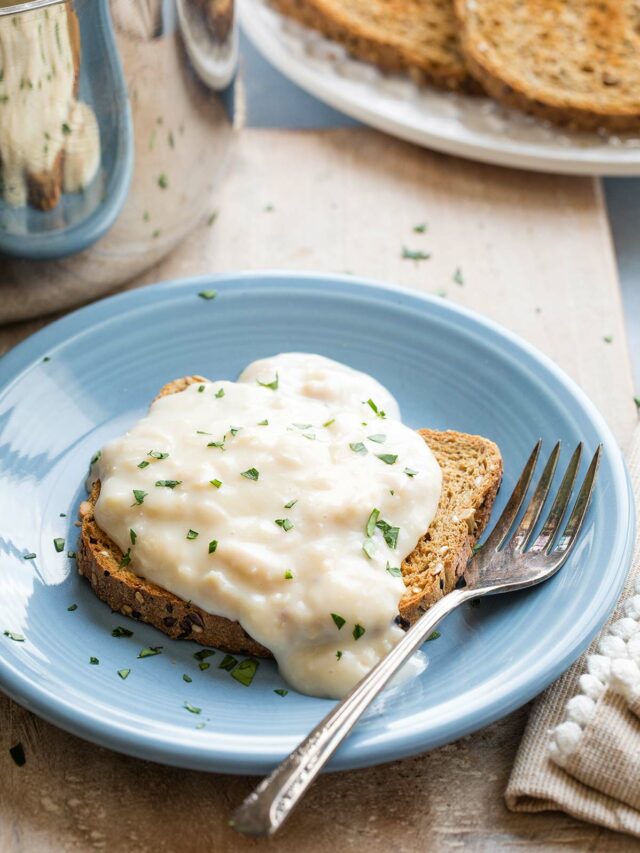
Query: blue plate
{"points": [[85, 378]]}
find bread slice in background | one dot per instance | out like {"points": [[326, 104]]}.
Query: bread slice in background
{"points": [[572, 62], [471, 474], [416, 36]]}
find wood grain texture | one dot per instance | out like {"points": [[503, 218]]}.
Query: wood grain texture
{"points": [[535, 255]]}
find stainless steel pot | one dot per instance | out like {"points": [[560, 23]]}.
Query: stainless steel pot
{"points": [[113, 134]]}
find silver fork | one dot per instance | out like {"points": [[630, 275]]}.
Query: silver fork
{"points": [[498, 566]]}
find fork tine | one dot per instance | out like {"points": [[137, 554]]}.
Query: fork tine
{"points": [[570, 533], [560, 504], [531, 515], [511, 510]]}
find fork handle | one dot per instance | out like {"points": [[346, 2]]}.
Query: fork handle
{"points": [[271, 803]]}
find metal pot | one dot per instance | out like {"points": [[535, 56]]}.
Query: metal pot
{"points": [[113, 133]]}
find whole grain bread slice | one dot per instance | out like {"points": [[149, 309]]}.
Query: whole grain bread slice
{"points": [[416, 36], [472, 471], [572, 62]]}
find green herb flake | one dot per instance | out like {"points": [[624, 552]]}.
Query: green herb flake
{"points": [[192, 534], [329, 422], [414, 254], [281, 691], [187, 678], [209, 294], [143, 464], [216, 483], [358, 447], [378, 412], [121, 632], [421, 228], [228, 662], [213, 546], [66, 129], [71, 555], [410, 472], [288, 575], [218, 444], [338, 654], [124, 673], [263, 423], [63, 515], [284, 523], [17, 753], [126, 559], [17, 638], [339, 621], [379, 438], [139, 496], [132, 535], [163, 181], [369, 548], [145, 216], [150, 651], [234, 430], [250, 474], [394, 571], [389, 533], [608, 339], [200, 725], [72, 607], [273, 384], [387, 458], [245, 671], [160, 454], [212, 218], [155, 234], [636, 400], [458, 277], [358, 631], [95, 457], [477, 547], [433, 636], [94, 661], [203, 665], [370, 526], [168, 484], [291, 503], [219, 393], [30, 556], [58, 544], [193, 709], [203, 654], [302, 426]]}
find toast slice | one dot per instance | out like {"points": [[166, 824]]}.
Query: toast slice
{"points": [[572, 62], [416, 36], [472, 471]]}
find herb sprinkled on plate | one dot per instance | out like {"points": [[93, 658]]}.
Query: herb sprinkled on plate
{"points": [[369, 548], [216, 483], [168, 484], [192, 534], [433, 636], [421, 228], [213, 545], [119, 631], [281, 691], [414, 254], [219, 393], [410, 472], [477, 547], [58, 544], [193, 709], [395, 571], [17, 753], [203, 654], [159, 454], [329, 422], [387, 458], [94, 661], [458, 277], [389, 533], [150, 651], [72, 607], [203, 665], [124, 673], [163, 181], [379, 438], [250, 474], [245, 671], [358, 631], [212, 218], [378, 412], [187, 678], [288, 575], [339, 621], [132, 536], [273, 384], [370, 526], [126, 559], [144, 464], [208, 294], [228, 662], [30, 556], [608, 339], [96, 456], [290, 504], [284, 523], [17, 638], [265, 422], [358, 447], [338, 654], [139, 496]]}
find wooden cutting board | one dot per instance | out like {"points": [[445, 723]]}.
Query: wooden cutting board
{"points": [[530, 251]]}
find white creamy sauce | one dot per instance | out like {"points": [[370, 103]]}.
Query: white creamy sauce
{"points": [[290, 514], [40, 116]]}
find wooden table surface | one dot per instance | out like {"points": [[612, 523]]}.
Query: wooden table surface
{"points": [[536, 255]]}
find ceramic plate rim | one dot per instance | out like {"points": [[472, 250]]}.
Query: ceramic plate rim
{"points": [[191, 754]]}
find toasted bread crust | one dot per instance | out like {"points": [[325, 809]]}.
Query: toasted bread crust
{"points": [[429, 572], [571, 63]]}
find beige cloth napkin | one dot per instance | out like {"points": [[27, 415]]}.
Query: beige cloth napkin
{"points": [[581, 749]]}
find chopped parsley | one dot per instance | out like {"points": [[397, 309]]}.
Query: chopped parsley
{"points": [[358, 631], [234, 430], [608, 339], [477, 547], [212, 218], [265, 422], [150, 651], [30, 556], [163, 181], [338, 620], [94, 661], [433, 636], [213, 545], [378, 438], [17, 638], [219, 393], [414, 254], [395, 571], [358, 447], [124, 673], [338, 654], [203, 654], [66, 129], [284, 523], [329, 422], [192, 534], [369, 548], [387, 458], [158, 454], [370, 526], [121, 632], [216, 483], [143, 464], [132, 535], [281, 691], [288, 575], [208, 294], [458, 277], [71, 555], [168, 484], [228, 662], [421, 228], [389, 533], [58, 544], [250, 474], [291, 503], [219, 444], [203, 665], [245, 671], [378, 412], [17, 753], [72, 607], [193, 709], [302, 426], [187, 678], [273, 384], [139, 496], [95, 457], [410, 472], [126, 559]]}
